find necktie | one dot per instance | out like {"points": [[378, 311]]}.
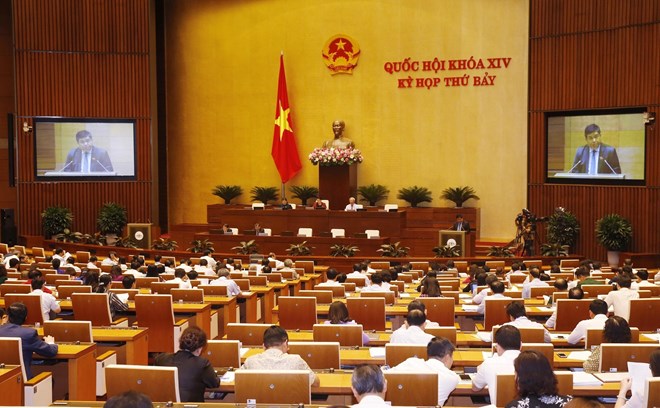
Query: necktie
{"points": [[85, 163], [460, 227], [593, 162]]}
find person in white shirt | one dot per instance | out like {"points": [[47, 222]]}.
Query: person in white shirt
{"points": [[643, 278], [507, 345], [479, 297], [223, 280], [272, 258], [203, 268], [440, 354], [111, 259], [181, 278], [515, 270], [92, 263], [636, 400], [574, 293], [133, 270], [597, 319], [60, 254], [351, 206], [518, 316], [48, 301], [71, 263], [331, 274], [620, 299], [185, 264], [377, 284], [414, 333], [369, 387], [288, 267], [357, 268], [208, 255], [497, 288], [535, 281]]}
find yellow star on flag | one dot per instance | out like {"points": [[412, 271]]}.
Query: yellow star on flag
{"points": [[283, 121]]}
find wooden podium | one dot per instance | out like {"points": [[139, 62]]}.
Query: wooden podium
{"points": [[337, 184], [465, 240]]}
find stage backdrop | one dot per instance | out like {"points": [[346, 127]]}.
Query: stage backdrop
{"points": [[464, 125]]}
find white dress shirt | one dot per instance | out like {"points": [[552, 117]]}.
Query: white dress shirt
{"points": [[232, 287], [488, 370], [410, 335], [48, 303], [211, 262], [620, 300], [372, 401], [447, 379], [523, 321], [527, 287], [552, 320], [479, 297], [580, 330], [351, 207], [329, 283], [182, 284], [482, 306]]}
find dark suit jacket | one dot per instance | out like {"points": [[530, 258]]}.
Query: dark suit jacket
{"points": [[100, 159], [465, 227], [607, 153], [195, 374], [31, 343]]}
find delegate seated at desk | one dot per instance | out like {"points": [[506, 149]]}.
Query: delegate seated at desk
{"points": [[595, 157]]}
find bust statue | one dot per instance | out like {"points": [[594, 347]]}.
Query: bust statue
{"points": [[339, 142]]}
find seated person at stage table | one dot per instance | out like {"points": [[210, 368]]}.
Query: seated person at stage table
{"points": [[615, 330], [319, 205], [369, 386], [285, 204], [497, 288], [535, 276], [575, 293], [338, 314], [440, 354], [258, 229], [507, 345], [414, 332], [620, 299], [595, 157], [536, 382], [17, 313], [276, 357], [351, 206], [339, 141], [637, 400], [460, 224], [518, 316], [195, 373], [86, 157], [596, 320]]}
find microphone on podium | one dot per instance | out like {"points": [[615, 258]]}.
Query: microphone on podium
{"points": [[101, 164], [575, 165], [608, 164]]}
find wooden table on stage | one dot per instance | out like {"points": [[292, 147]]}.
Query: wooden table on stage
{"points": [[11, 385], [81, 359]]}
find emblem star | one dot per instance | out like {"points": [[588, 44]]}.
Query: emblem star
{"points": [[283, 121], [340, 44]]}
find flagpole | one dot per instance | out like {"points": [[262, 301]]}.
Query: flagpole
{"points": [[283, 191]]}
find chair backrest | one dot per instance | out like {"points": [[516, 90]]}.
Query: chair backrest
{"points": [[322, 296], [538, 291], [38, 251], [223, 353], [318, 355], [163, 288], [439, 310], [547, 349], [350, 286], [67, 282], [143, 283], [337, 291], [369, 312], [372, 234], [388, 296], [4, 248], [297, 312], [595, 290], [33, 304], [156, 313], [243, 284], [187, 295], [448, 332], [495, 264], [397, 353], [11, 352], [250, 334], [159, 383], [507, 390], [83, 256], [273, 387], [412, 389], [65, 291], [274, 277], [405, 278], [93, 307], [400, 285], [258, 280], [338, 232], [527, 334], [616, 356], [346, 334], [534, 263], [212, 290], [644, 313], [308, 266], [495, 311], [356, 280], [377, 265], [594, 337], [69, 330], [6, 288], [570, 312], [517, 279], [652, 392], [50, 278], [305, 232], [569, 263]]}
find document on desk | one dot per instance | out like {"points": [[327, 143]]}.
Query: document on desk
{"points": [[639, 372], [123, 297], [377, 352], [485, 336], [557, 336], [470, 308], [613, 377], [404, 295], [229, 376], [579, 355], [545, 309], [585, 379], [464, 296], [652, 336], [243, 351]]}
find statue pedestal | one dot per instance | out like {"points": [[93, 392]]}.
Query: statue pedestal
{"points": [[337, 184]]}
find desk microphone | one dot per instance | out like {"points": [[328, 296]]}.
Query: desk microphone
{"points": [[66, 165], [101, 164], [608, 164], [575, 165]]}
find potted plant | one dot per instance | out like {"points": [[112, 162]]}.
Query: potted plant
{"points": [[500, 251], [304, 193], [200, 245], [55, 220], [393, 250], [459, 195], [614, 232], [299, 249], [415, 195], [111, 221], [554, 250], [346, 251], [447, 251], [246, 248], [563, 228], [264, 194], [373, 193], [68, 236], [125, 242], [227, 193], [164, 243]]}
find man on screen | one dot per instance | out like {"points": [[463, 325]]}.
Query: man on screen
{"points": [[595, 157], [87, 158]]}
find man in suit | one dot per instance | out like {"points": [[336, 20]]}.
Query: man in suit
{"points": [[30, 341], [595, 157], [461, 224], [86, 157]]}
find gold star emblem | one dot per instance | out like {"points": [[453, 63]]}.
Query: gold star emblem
{"points": [[340, 44], [283, 121]]}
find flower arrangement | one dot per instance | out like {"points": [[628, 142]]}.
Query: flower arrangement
{"points": [[335, 157]]}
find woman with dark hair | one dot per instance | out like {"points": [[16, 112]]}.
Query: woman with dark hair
{"points": [[637, 400], [195, 373], [116, 305], [431, 288], [338, 314], [536, 382], [616, 330], [92, 279], [116, 273]]}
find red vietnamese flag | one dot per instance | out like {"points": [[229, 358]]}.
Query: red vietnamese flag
{"points": [[284, 150]]}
